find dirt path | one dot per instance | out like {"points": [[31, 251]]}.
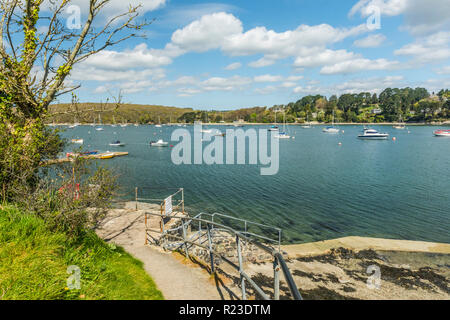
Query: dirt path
{"points": [[177, 278]]}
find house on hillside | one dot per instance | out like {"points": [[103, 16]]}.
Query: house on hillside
{"points": [[376, 111]]}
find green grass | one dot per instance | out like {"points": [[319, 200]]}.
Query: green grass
{"points": [[34, 262]]}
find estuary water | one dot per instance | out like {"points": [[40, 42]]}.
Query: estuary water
{"points": [[323, 190]]}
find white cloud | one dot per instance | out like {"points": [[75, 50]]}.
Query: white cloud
{"points": [[207, 33], [268, 78], [288, 84], [266, 90], [325, 57], [358, 65], [443, 70], [225, 32], [433, 48], [233, 66], [281, 45], [294, 78], [372, 85], [225, 84], [112, 8], [261, 63], [140, 57], [181, 15], [421, 16], [371, 41]]}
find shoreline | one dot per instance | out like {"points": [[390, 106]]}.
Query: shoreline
{"points": [[446, 123], [357, 244]]}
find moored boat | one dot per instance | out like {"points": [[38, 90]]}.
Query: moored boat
{"points": [[372, 134], [442, 133], [107, 156], [159, 143], [78, 141], [117, 144]]}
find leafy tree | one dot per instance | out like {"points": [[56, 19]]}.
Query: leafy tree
{"points": [[24, 140]]}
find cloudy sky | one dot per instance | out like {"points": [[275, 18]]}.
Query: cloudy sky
{"points": [[233, 54]]}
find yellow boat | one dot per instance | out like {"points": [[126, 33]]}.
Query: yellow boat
{"points": [[107, 156]]}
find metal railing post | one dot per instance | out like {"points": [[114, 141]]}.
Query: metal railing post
{"points": [[211, 254], [136, 197], [276, 279], [184, 239], [146, 235], [182, 199], [238, 242]]}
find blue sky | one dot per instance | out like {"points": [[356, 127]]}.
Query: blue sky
{"points": [[233, 54]]}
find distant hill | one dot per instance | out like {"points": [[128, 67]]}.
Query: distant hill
{"points": [[126, 113]]}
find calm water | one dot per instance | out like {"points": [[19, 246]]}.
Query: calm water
{"points": [[322, 191]]}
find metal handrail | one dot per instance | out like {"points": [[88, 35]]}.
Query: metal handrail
{"points": [[288, 276], [278, 258], [246, 223]]}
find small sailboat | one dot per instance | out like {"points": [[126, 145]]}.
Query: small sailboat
{"points": [[275, 127], [99, 128], [401, 125], [372, 134], [159, 124], [75, 124], [308, 124], [124, 124], [284, 134], [159, 143], [331, 129], [117, 144], [114, 122]]}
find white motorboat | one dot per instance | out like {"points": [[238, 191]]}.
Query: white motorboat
{"points": [[159, 143], [442, 133], [78, 141], [117, 144], [274, 128], [330, 130], [372, 134]]}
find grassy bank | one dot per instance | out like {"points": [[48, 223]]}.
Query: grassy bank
{"points": [[34, 262]]}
